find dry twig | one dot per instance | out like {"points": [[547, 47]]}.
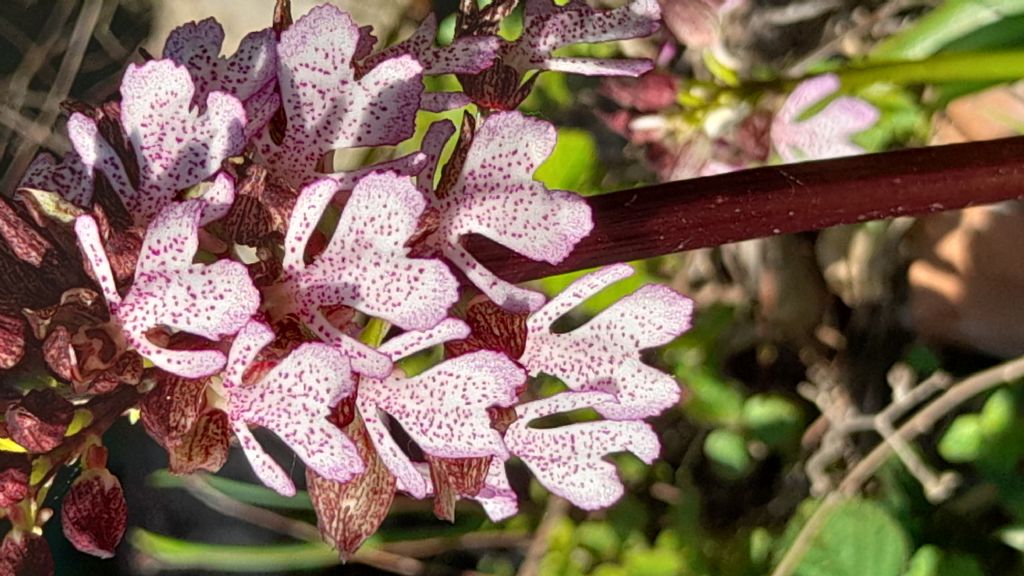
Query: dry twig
{"points": [[920, 423]]}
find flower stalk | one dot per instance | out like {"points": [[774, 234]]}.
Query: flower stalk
{"points": [[689, 214]]}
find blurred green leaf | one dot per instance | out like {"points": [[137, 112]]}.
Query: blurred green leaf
{"points": [[931, 561], [728, 450], [963, 440], [600, 538], [166, 553], [713, 401], [254, 494], [574, 165], [902, 118], [952, 21], [998, 413], [858, 538], [772, 419]]}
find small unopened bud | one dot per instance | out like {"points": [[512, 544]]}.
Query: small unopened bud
{"points": [[94, 513], [25, 554]]}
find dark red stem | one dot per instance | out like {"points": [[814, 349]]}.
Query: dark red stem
{"points": [[677, 216]]}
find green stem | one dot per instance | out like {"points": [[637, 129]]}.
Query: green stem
{"points": [[939, 69]]}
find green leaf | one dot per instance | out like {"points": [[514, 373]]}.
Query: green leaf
{"points": [[242, 491], [772, 419], [998, 414], [954, 20], [574, 165], [600, 538], [932, 561], [713, 401], [164, 552], [858, 538], [653, 562], [728, 450], [964, 439]]}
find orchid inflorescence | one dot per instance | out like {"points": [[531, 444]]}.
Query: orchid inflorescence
{"points": [[193, 257]]}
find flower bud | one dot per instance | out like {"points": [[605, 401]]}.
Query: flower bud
{"points": [[94, 513]]}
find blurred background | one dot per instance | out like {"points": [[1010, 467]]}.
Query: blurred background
{"points": [[797, 338]]}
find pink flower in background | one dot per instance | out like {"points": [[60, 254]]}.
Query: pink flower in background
{"points": [[827, 133], [697, 23]]}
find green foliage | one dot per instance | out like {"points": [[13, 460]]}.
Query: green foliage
{"points": [[902, 119], [953, 21], [991, 437], [773, 420], [574, 165], [858, 538], [931, 561], [728, 451]]}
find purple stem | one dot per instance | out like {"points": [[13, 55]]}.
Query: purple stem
{"points": [[689, 214]]}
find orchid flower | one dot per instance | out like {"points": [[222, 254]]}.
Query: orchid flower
{"points": [[365, 264], [444, 410], [495, 195], [466, 55], [176, 146], [603, 355], [569, 460], [327, 105], [547, 27], [293, 400], [207, 300], [248, 75]]}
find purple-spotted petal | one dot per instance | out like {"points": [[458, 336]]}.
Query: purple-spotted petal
{"points": [[171, 240], [444, 410], [294, 401], [827, 133], [365, 265], [211, 301], [70, 177], [408, 165], [268, 471], [414, 341], [604, 354], [466, 55], [326, 105], [548, 27], [91, 243], [496, 196], [248, 75], [443, 101], [569, 460], [498, 499], [177, 146], [97, 155], [218, 198]]}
